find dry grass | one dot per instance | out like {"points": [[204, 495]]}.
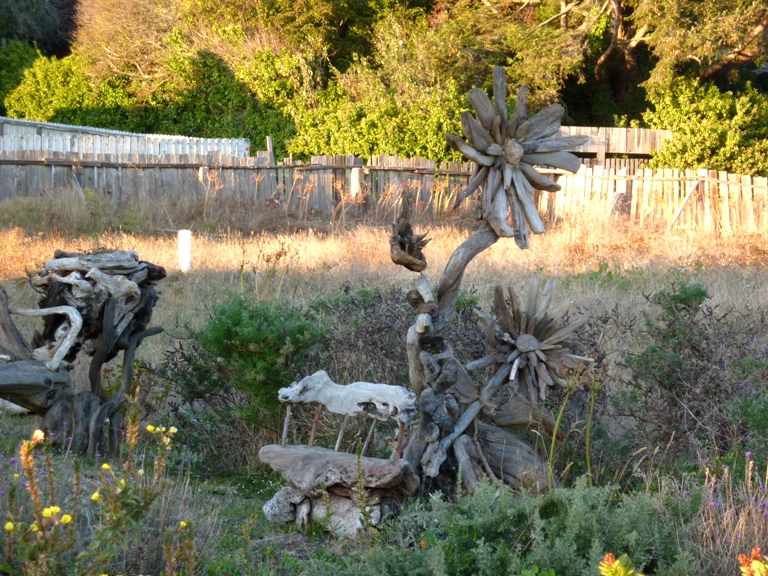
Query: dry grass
{"points": [[306, 264], [733, 518]]}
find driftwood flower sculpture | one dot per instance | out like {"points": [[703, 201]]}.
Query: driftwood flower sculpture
{"points": [[506, 149], [533, 339]]}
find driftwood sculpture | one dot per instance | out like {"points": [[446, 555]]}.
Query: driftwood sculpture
{"points": [[99, 304], [531, 350], [464, 421]]}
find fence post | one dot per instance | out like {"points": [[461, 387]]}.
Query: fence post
{"points": [[185, 250]]}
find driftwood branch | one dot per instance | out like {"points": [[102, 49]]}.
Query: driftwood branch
{"points": [[14, 340], [55, 354], [448, 289]]}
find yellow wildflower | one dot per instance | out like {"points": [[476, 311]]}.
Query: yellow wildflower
{"points": [[95, 496], [166, 440], [9, 526], [150, 428], [182, 525], [173, 430], [33, 527], [106, 466], [66, 519], [47, 512], [15, 476], [122, 482]]}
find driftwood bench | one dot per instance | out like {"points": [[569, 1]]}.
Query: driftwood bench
{"points": [[338, 488]]}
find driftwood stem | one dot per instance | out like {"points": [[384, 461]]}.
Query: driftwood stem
{"points": [[286, 425], [315, 422], [448, 290]]}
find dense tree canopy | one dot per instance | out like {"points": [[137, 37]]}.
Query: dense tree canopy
{"points": [[386, 76]]}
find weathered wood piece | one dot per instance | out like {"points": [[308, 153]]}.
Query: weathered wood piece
{"points": [[97, 303], [378, 401], [511, 458], [405, 247], [17, 347], [31, 385], [503, 144], [312, 470], [53, 353]]}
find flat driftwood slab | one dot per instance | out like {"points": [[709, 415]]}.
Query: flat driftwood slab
{"points": [[313, 470]]}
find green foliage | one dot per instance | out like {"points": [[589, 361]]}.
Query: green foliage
{"points": [[395, 103], [467, 300], [52, 88], [259, 344], [670, 361], [93, 522], [15, 58], [713, 129], [207, 100], [496, 532]]}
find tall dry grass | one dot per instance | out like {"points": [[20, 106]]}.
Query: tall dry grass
{"points": [[304, 264]]}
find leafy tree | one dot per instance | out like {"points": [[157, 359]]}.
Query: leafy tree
{"points": [[15, 58], [51, 85], [47, 24], [713, 129], [394, 103], [707, 40]]}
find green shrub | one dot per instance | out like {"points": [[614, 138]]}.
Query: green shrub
{"points": [[260, 345], [713, 129], [15, 58], [52, 86], [496, 531]]}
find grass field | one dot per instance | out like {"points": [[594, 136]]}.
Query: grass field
{"points": [[609, 270]]}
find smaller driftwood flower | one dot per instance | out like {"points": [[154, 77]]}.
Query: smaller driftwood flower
{"points": [[534, 340], [506, 149]]}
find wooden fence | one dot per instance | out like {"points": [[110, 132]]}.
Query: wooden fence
{"points": [[25, 135], [697, 201]]}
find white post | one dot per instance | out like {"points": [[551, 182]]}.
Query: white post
{"points": [[185, 250]]}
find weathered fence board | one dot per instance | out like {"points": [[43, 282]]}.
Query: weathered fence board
{"points": [[702, 200]]}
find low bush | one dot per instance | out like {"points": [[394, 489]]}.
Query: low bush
{"points": [[497, 531]]}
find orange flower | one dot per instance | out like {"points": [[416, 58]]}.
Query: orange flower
{"points": [[38, 436]]}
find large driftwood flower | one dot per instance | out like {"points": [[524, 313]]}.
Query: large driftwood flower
{"points": [[506, 149], [534, 340]]}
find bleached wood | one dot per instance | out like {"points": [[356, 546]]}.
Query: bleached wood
{"points": [[474, 132], [564, 160], [525, 194], [555, 144], [536, 179], [379, 401], [467, 150], [313, 470], [521, 111], [545, 123], [54, 354], [473, 184], [421, 327], [482, 106], [497, 216], [121, 261]]}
